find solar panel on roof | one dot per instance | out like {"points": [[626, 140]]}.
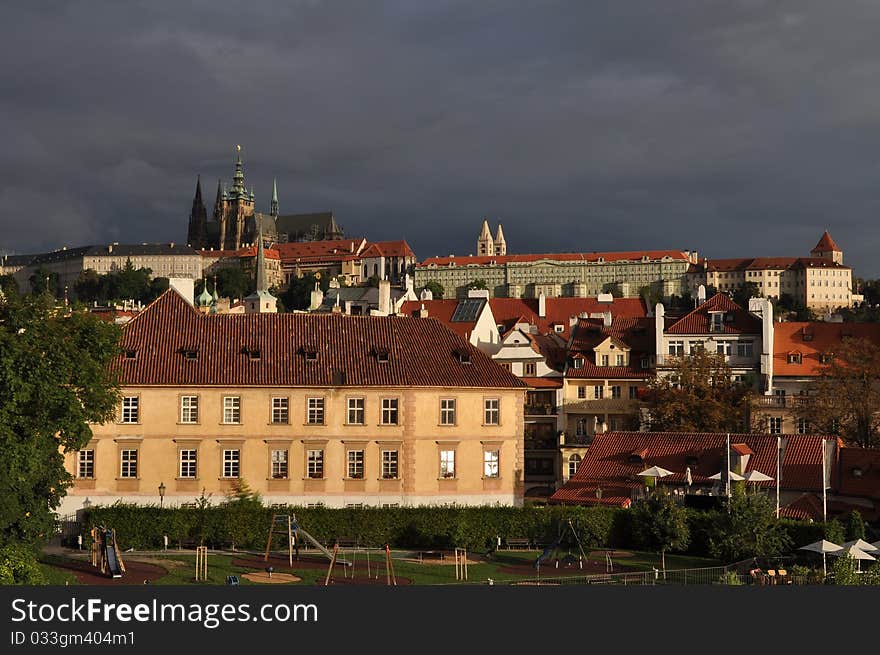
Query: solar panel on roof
{"points": [[467, 310]]}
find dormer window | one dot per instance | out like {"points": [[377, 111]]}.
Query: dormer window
{"points": [[131, 354], [559, 327], [795, 358], [382, 355], [716, 323], [463, 355], [825, 358], [857, 472], [310, 353], [190, 354], [808, 336], [577, 362], [253, 354]]}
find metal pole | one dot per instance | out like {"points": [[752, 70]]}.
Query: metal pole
{"points": [[824, 495], [778, 471]]}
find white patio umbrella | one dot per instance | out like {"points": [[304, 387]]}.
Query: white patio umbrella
{"points": [[856, 553], [862, 545], [757, 476], [733, 476], [655, 472], [876, 544], [823, 547]]}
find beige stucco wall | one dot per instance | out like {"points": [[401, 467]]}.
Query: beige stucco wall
{"points": [[418, 438]]}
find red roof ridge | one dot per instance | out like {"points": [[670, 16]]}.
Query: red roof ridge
{"points": [[826, 243]]}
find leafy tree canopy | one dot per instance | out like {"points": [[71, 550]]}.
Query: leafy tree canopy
{"points": [[747, 528], [55, 379], [697, 394], [436, 289]]}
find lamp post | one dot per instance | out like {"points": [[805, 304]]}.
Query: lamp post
{"points": [[87, 503], [161, 494]]}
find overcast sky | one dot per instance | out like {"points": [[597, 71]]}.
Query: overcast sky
{"points": [[737, 128]]}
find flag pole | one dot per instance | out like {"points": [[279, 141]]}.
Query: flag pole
{"points": [[728, 467], [778, 471], [824, 495]]}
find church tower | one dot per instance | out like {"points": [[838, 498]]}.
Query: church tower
{"points": [[500, 243], [273, 207], [828, 249], [197, 234], [232, 209], [485, 244], [261, 301]]}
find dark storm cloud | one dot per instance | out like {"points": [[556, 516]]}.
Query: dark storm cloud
{"points": [[736, 128]]}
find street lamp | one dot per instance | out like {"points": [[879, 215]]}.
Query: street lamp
{"points": [[161, 494], [87, 503]]}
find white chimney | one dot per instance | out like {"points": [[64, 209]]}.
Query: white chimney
{"points": [[606, 319], [701, 294], [542, 305], [384, 297], [423, 313], [426, 295], [185, 286], [317, 298]]}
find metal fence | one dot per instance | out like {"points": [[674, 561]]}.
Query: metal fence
{"points": [[701, 576]]}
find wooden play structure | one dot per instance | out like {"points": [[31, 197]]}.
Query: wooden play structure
{"points": [[461, 572], [105, 554], [286, 524], [201, 564]]}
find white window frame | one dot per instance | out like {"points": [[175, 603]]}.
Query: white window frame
{"points": [[390, 464], [355, 411], [279, 458], [390, 409], [447, 411], [492, 463], [187, 463], [315, 464], [315, 410], [85, 459], [574, 461], [128, 463], [280, 410], [131, 409], [492, 411], [447, 464], [189, 409], [354, 464], [774, 425], [231, 463], [232, 410]]}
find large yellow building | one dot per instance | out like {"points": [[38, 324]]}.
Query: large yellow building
{"points": [[308, 409]]}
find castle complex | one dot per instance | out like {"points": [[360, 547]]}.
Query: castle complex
{"points": [[235, 222]]}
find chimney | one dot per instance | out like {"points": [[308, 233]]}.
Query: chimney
{"points": [[606, 318], [542, 305], [317, 298], [423, 313], [385, 297], [110, 248]]}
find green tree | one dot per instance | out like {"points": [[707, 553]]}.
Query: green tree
{"points": [[243, 512], [234, 283], [652, 294], [436, 289], [299, 293], [55, 379], [747, 528], [91, 287], [697, 394], [659, 523], [845, 399], [479, 283], [744, 292], [845, 572], [129, 283], [8, 285], [855, 526], [42, 280]]}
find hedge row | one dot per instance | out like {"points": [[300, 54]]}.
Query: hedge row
{"points": [[246, 526]]}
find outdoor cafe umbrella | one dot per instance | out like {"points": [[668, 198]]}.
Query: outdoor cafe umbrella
{"points": [[655, 472], [856, 553], [756, 476], [822, 547], [862, 545], [733, 476]]}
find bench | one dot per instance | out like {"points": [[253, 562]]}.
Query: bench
{"points": [[431, 554], [517, 543]]}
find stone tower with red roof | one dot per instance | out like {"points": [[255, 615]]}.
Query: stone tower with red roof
{"points": [[828, 249]]}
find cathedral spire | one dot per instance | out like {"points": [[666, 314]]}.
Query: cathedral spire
{"points": [[197, 233], [273, 208], [261, 301], [238, 177]]}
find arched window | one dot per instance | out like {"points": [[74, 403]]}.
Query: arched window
{"points": [[573, 462]]}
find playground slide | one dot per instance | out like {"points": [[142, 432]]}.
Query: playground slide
{"points": [[317, 544], [543, 557], [114, 564]]}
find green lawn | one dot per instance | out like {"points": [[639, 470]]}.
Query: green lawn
{"points": [[53, 574]]}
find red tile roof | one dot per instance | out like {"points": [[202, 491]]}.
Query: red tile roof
{"points": [[807, 507], [543, 383], [591, 257], [251, 251], [607, 464], [441, 310], [319, 251], [825, 244], [422, 353], [812, 339], [560, 311], [859, 472], [698, 321], [388, 249], [636, 333]]}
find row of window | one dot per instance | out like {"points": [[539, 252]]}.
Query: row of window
{"points": [[743, 348], [315, 410], [615, 391], [774, 425], [188, 463]]}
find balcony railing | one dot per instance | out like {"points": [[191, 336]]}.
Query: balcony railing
{"points": [[734, 361], [601, 405], [540, 409], [783, 402]]}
